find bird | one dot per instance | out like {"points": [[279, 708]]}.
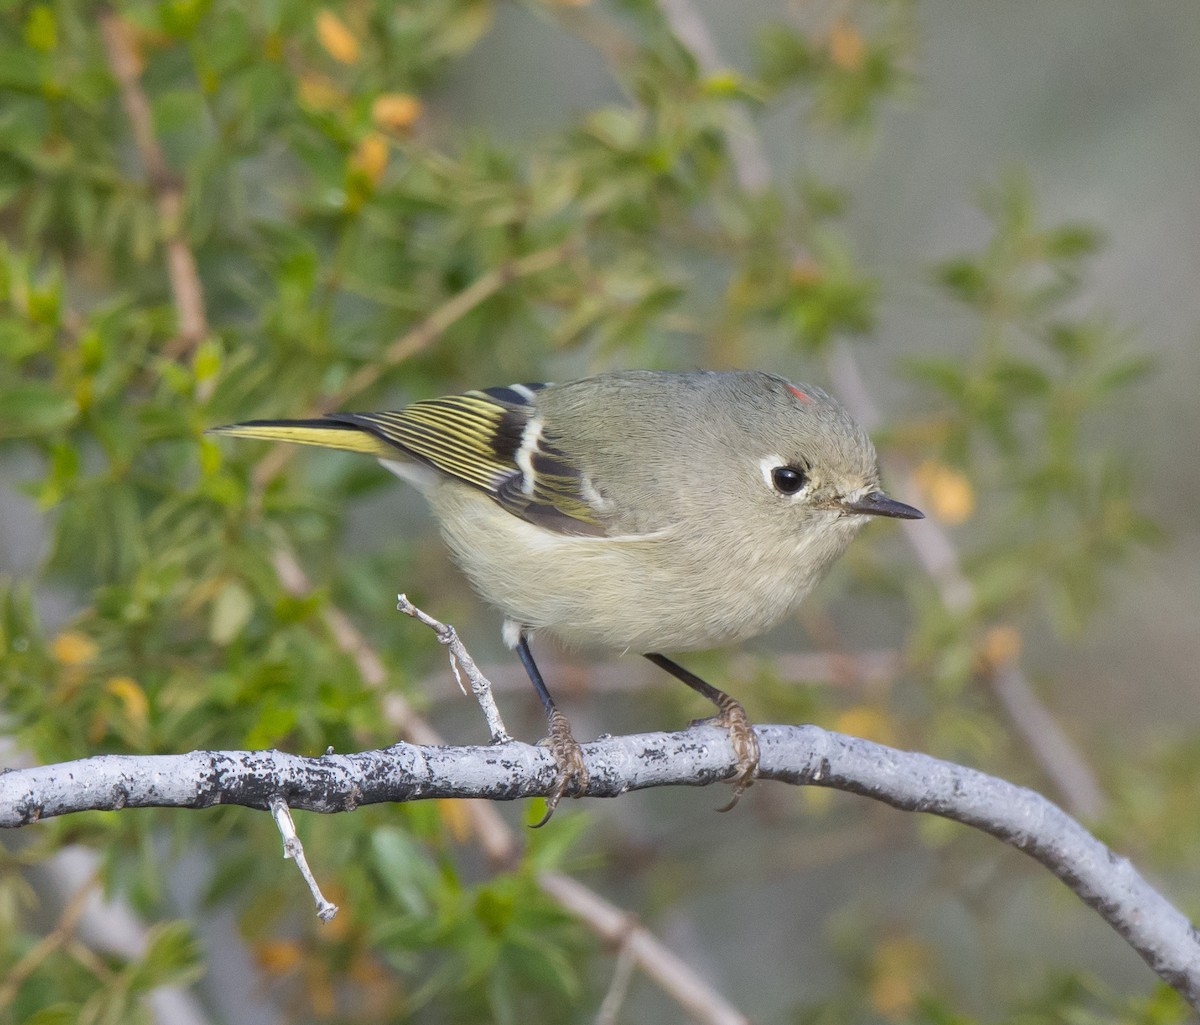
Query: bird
{"points": [[653, 511]]}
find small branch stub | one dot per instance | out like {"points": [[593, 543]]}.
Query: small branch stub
{"points": [[461, 663], [294, 849]]}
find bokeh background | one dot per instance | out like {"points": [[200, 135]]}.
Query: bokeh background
{"points": [[991, 211]]}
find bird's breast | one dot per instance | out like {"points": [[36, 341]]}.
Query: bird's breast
{"points": [[675, 589]]}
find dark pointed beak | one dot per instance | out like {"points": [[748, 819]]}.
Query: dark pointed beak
{"points": [[876, 503]]}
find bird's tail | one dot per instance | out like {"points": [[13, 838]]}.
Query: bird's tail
{"points": [[321, 433]]}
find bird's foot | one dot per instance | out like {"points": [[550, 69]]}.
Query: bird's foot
{"points": [[568, 756], [732, 717]]}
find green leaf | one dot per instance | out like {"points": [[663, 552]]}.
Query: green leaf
{"points": [[231, 611], [964, 279], [41, 28], [404, 869], [173, 958], [32, 410], [1020, 378], [55, 1014]]}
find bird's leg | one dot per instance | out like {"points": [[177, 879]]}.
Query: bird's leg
{"points": [[568, 755], [730, 715]]}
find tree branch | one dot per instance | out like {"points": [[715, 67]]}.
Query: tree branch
{"points": [[801, 755], [187, 294]]}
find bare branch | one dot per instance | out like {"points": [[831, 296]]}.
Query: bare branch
{"points": [[618, 989], [750, 163], [802, 755], [663, 966], [461, 663], [186, 291], [62, 934], [294, 849]]}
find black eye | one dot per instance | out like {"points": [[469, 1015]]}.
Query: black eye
{"points": [[788, 479]]}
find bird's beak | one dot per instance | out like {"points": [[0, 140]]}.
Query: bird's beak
{"points": [[876, 503]]}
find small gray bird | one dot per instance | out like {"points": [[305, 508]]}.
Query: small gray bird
{"points": [[650, 511]]}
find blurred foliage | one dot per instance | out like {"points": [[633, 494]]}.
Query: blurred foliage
{"points": [[357, 245]]}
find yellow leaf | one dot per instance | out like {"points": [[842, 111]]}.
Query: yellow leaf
{"points": [[337, 40], [846, 48], [318, 93], [395, 112], [129, 692], [806, 271], [454, 815], [896, 975], [1000, 644], [951, 498], [319, 989], [723, 83], [41, 29], [866, 722], [371, 157], [72, 648], [275, 957]]}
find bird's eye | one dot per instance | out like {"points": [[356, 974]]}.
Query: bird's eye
{"points": [[788, 479]]}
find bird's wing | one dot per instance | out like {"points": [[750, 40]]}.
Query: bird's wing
{"points": [[493, 440]]}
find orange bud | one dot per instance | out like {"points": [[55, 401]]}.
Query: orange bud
{"points": [[898, 971], [454, 815], [371, 157], [846, 47], [395, 111], [318, 93], [133, 699], [72, 648], [1000, 644], [951, 498], [336, 38], [866, 722], [805, 271], [275, 957]]}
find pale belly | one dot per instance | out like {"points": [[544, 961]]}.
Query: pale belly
{"points": [[661, 592]]}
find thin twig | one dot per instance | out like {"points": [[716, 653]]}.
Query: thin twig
{"points": [[294, 849], [659, 963], [186, 291], [59, 936], [460, 663], [618, 988], [750, 164], [458, 306]]}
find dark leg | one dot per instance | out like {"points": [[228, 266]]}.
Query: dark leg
{"points": [[568, 756], [730, 715]]}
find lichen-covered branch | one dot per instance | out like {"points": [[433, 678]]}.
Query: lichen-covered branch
{"points": [[803, 755]]}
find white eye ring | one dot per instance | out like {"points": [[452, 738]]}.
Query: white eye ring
{"points": [[783, 477]]}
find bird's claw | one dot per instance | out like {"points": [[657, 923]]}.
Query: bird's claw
{"points": [[568, 756], [732, 717]]}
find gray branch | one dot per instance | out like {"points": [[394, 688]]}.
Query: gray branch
{"points": [[802, 755]]}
